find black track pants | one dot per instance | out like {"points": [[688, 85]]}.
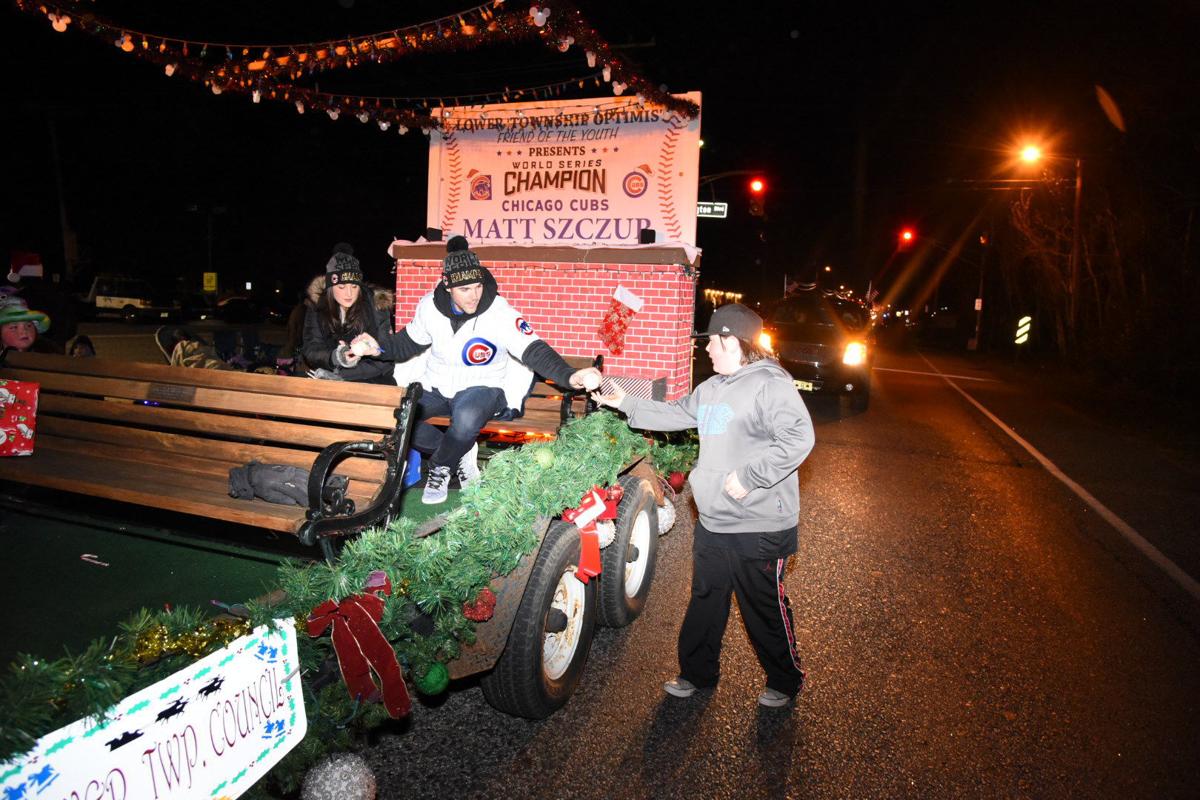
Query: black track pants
{"points": [[718, 572]]}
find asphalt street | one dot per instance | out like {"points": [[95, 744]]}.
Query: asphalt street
{"points": [[970, 628], [971, 625]]}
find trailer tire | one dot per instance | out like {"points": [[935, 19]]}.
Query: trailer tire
{"points": [[538, 671], [625, 581]]}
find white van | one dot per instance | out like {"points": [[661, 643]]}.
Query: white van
{"points": [[131, 299]]}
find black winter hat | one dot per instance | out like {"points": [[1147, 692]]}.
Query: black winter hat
{"points": [[461, 267], [343, 268]]}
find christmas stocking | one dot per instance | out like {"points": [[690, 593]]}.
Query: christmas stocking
{"points": [[621, 308]]}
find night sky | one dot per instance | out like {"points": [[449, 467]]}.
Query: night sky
{"points": [[862, 118]]}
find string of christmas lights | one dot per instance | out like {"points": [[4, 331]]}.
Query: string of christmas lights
{"points": [[265, 70]]}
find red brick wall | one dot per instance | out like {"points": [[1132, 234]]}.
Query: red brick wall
{"points": [[565, 302]]}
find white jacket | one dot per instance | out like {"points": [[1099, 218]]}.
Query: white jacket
{"points": [[483, 352]]}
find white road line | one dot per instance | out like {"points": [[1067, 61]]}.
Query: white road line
{"points": [[1156, 556], [934, 374]]}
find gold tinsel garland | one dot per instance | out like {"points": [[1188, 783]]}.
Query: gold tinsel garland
{"points": [[158, 642]]}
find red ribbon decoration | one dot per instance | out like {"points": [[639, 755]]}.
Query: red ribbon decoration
{"points": [[361, 647], [596, 504]]}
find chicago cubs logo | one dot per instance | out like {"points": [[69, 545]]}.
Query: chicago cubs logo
{"points": [[635, 184], [524, 327], [481, 187], [478, 352]]}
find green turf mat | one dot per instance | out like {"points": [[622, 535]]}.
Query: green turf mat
{"points": [[61, 600]]}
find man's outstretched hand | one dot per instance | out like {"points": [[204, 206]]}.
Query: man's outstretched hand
{"points": [[587, 378]]}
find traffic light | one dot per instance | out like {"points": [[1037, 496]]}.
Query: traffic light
{"points": [[758, 190], [906, 238]]}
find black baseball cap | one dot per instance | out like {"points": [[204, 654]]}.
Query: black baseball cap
{"points": [[733, 319]]}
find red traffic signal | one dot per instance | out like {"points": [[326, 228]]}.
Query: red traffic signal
{"points": [[758, 189], [907, 237]]}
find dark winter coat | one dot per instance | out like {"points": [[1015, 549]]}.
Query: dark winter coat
{"points": [[275, 483], [319, 345]]}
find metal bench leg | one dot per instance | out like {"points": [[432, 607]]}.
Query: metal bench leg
{"points": [[331, 514]]}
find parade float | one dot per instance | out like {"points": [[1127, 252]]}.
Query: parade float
{"points": [[584, 210]]}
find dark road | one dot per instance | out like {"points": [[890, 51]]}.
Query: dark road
{"points": [[970, 627]]}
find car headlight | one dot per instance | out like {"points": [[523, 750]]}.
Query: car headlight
{"points": [[855, 355], [764, 341]]}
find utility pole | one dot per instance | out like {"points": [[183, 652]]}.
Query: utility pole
{"points": [[1075, 245]]}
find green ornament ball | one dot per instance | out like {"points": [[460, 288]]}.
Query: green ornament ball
{"points": [[544, 457], [434, 681]]}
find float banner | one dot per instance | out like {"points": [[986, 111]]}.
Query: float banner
{"points": [[565, 173], [208, 731]]}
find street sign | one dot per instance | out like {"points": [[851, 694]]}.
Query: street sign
{"points": [[210, 281], [712, 210]]}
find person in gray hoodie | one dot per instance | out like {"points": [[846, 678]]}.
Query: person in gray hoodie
{"points": [[754, 433]]}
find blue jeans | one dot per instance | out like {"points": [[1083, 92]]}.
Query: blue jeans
{"points": [[469, 411]]}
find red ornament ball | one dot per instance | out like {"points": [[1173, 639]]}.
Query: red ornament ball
{"points": [[482, 607], [676, 480]]}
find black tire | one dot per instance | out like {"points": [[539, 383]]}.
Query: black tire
{"points": [[538, 671], [625, 582], [860, 400]]}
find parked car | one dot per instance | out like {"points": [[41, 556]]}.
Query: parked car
{"points": [[131, 299], [251, 310], [825, 342]]}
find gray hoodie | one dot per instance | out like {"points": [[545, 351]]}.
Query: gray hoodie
{"points": [[752, 421]]}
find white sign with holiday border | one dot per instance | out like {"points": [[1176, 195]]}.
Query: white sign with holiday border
{"points": [[565, 172], [208, 731]]}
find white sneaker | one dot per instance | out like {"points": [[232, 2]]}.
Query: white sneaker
{"points": [[773, 698], [437, 486], [468, 467], [679, 687]]}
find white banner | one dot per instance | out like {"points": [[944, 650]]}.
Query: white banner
{"points": [[565, 173], [208, 731]]}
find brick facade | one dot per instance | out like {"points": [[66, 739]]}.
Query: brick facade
{"points": [[565, 302]]}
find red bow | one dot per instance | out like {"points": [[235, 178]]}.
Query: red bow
{"points": [[361, 647]]}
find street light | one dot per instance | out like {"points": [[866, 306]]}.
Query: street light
{"points": [[1031, 154]]}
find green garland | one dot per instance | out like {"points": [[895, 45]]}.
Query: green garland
{"points": [[432, 577], [674, 452]]}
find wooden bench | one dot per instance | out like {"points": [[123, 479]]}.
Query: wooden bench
{"points": [[166, 437]]}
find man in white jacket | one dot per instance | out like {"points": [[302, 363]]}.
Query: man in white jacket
{"points": [[482, 357]]}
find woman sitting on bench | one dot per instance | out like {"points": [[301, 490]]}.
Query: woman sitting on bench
{"points": [[345, 310]]}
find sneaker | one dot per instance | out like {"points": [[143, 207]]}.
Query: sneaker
{"points": [[437, 486], [679, 687], [468, 467], [772, 698]]}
